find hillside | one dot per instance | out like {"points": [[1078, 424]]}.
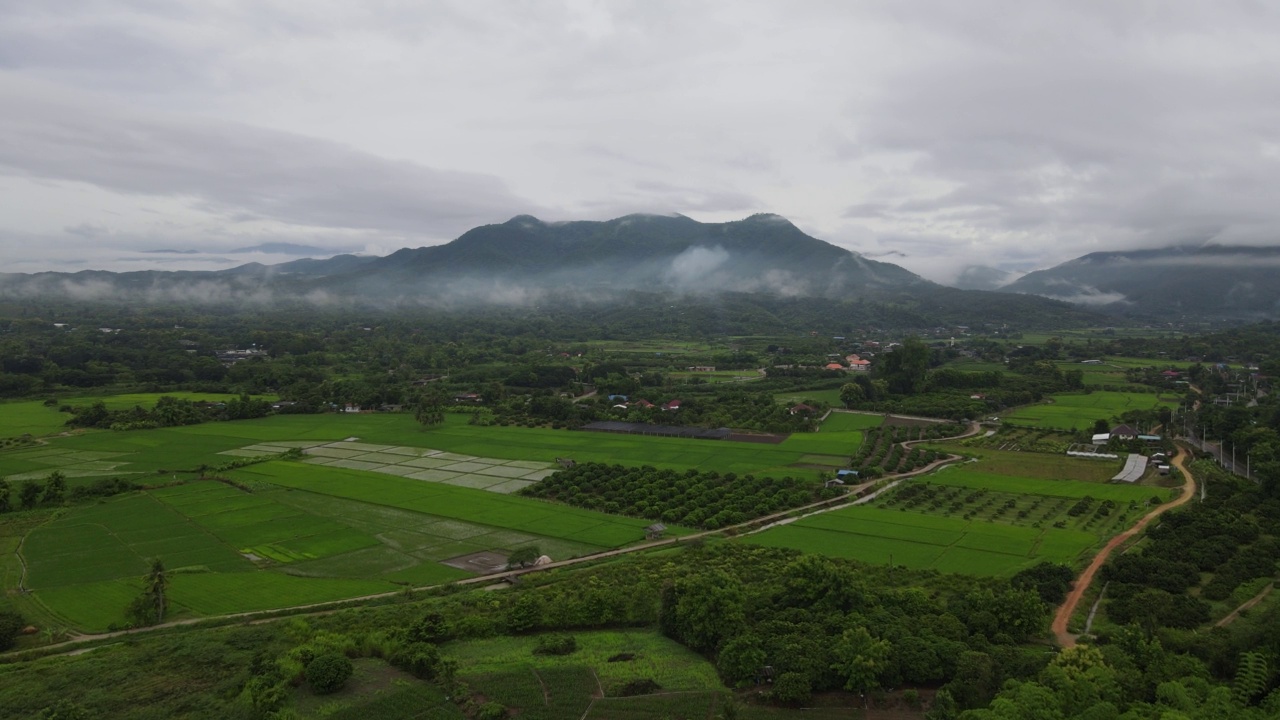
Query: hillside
{"points": [[762, 267], [1212, 281]]}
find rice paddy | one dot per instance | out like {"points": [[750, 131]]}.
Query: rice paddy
{"points": [[1079, 411]]}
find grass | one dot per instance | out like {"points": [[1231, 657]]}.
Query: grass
{"points": [[845, 422], [30, 418], [86, 564], [185, 448], [656, 657], [457, 503], [1039, 465], [978, 479], [830, 397], [126, 401], [918, 540], [1079, 411]]}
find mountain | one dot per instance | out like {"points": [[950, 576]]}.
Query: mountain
{"points": [[1213, 281], [763, 253], [983, 277], [763, 265]]}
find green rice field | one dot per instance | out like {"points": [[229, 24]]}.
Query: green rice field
{"points": [[125, 401], [920, 540], [102, 453], [977, 479], [30, 418], [1078, 412], [305, 534]]}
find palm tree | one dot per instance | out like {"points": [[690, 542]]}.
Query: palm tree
{"points": [[157, 582]]}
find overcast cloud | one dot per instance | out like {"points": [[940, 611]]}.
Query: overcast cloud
{"points": [[932, 134]]}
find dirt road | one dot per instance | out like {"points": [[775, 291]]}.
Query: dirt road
{"points": [[1065, 611]]}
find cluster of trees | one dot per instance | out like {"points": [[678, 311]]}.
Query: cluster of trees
{"points": [[883, 452], [32, 493], [755, 409], [1213, 546], [693, 498], [168, 412]]}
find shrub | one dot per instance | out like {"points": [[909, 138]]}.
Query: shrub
{"points": [[11, 624], [641, 686], [491, 711], [555, 645], [328, 673]]}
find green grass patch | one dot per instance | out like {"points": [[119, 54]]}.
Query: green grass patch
{"points": [[30, 418], [918, 540], [1119, 492], [1079, 411], [459, 503], [655, 656]]}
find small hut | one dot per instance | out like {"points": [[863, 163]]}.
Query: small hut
{"points": [[654, 531]]}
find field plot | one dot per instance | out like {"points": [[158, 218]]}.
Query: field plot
{"points": [[37, 463], [848, 421], [494, 475], [32, 417], [458, 503], [185, 448], [976, 477], [830, 397], [919, 540], [1078, 412], [148, 400], [233, 551], [649, 655]]}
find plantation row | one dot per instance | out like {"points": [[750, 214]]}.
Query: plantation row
{"points": [[1023, 440], [1035, 511], [882, 452], [701, 499]]}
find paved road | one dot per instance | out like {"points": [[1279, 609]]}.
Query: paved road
{"points": [[1063, 616]]}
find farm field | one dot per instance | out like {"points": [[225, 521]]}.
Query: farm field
{"points": [[186, 448], [32, 417], [235, 551], [457, 503], [919, 540], [586, 683], [148, 400], [830, 397], [656, 656], [1078, 412], [1004, 513], [1036, 464], [974, 478]]}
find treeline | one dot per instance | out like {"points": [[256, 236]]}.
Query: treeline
{"points": [[168, 412], [692, 498], [52, 491], [735, 408]]}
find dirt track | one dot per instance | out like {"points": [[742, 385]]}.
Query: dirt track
{"points": [[1067, 609]]}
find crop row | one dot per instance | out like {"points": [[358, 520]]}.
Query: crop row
{"points": [[701, 499]]}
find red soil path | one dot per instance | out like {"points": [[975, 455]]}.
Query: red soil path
{"points": [[1068, 608]]}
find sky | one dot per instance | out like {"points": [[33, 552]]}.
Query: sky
{"points": [[203, 134]]}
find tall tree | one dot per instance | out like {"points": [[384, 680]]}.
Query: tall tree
{"points": [[157, 586]]}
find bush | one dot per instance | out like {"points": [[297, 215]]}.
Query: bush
{"points": [[491, 711], [328, 673], [11, 624], [555, 645], [642, 686]]}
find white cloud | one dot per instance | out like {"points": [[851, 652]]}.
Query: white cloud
{"points": [[977, 133]]}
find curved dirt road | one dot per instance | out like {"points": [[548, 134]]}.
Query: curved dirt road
{"points": [[1063, 616]]}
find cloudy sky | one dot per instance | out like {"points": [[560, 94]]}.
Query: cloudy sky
{"points": [[192, 133]]}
